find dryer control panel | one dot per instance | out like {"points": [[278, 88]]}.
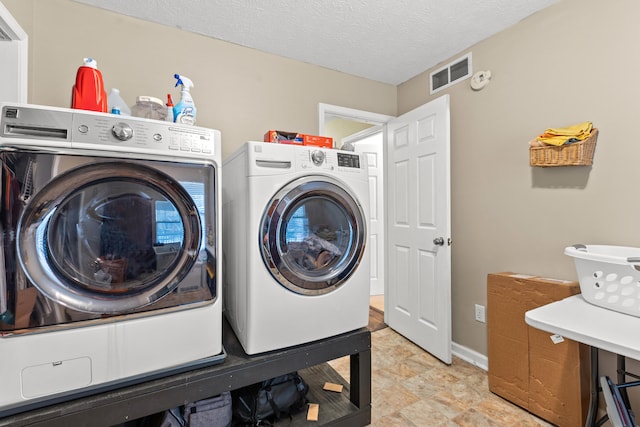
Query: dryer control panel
{"points": [[100, 131]]}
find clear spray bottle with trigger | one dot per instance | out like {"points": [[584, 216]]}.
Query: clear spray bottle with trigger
{"points": [[184, 111]]}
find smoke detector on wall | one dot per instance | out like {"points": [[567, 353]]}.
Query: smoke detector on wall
{"points": [[480, 79]]}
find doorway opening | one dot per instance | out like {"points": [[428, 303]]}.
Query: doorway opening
{"points": [[364, 132], [417, 294], [341, 122]]}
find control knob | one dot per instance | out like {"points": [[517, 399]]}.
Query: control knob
{"points": [[122, 131], [317, 157]]}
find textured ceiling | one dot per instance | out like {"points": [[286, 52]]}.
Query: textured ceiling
{"points": [[384, 40]]}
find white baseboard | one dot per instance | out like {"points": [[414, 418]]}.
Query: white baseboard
{"points": [[470, 356]]}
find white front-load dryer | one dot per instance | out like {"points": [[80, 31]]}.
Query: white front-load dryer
{"points": [[295, 251], [109, 265]]}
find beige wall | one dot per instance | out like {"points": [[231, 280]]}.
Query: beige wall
{"points": [[574, 61], [241, 91]]}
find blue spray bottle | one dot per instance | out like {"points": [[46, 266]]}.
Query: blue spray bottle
{"points": [[184, 111]]}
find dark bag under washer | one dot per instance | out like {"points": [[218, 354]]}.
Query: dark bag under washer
{"points": [[268, 401], [212, 412]]}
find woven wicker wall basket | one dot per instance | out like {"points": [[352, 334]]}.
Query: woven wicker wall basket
{"points": [[574, 154]]}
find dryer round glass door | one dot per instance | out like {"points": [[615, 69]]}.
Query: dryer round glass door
{"points": [[312, 235], [85, 239]]}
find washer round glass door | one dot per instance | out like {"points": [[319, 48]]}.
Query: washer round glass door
{"points": [[312, 235], [85, 240]]}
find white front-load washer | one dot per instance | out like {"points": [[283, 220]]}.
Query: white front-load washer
{"points": [[109, 265], [295, 251]]}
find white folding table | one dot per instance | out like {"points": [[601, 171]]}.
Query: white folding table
{"points": [[599, 328]]}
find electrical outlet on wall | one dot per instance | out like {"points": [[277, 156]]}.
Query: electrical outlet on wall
{"points": [[480, 313]]}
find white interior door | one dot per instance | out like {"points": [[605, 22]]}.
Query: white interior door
{"points": [[418, 293], [370, 143]]}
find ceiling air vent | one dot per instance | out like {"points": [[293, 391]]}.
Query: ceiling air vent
{"points": [[451, 73]]}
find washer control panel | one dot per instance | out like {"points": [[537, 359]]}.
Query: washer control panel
{"points": [[347, 160], [328, 159]]}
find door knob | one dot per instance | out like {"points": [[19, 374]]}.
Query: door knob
{"points": [[438, 241]]}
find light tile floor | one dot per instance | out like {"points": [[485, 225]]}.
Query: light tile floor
{"points": [[412, 388]]}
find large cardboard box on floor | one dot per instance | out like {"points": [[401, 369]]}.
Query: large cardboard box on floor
{"points": [[544, 374]]}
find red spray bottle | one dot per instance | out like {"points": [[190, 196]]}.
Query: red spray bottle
{"points": [[88, 92]]}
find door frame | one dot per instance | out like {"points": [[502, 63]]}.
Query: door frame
{"points": [[15, 76]]}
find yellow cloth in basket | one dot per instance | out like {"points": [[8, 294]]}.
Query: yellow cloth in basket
{"points": [[560, 136]]}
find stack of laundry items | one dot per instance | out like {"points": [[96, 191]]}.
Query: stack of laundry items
{"points": [[562, 136]]}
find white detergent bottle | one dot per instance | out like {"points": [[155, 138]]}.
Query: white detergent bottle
{"points": [[184, 111], [115, 101]]}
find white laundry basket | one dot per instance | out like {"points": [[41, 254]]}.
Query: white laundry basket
{"points": [[609, 276]]}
